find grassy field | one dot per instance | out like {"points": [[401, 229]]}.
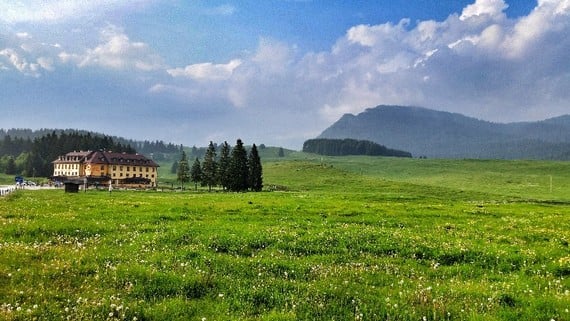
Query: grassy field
{"points": [[351, 238]]}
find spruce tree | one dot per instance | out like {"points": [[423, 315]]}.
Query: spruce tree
{"points": [[224, 166], [196, 173], [183, 173], [238, 168], [255, 170], [11, 166], [209, 167], [174, 168]]}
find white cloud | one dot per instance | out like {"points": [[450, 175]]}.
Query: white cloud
{"points": [[273, 57], [480, 63], [115, 51], [46, 63], [118, 52], [19, 51], [491, 8], [372, 36], [548, 16], [20, 63], [22, 35], [207, 71]]}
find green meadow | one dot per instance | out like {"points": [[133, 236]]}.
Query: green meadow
{"points": [[347, 238]]}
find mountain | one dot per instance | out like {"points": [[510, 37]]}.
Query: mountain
{"points": [[437, 134]]}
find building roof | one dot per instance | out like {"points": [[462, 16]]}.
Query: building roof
{"points": [[72, 157], [107, 158], [111, 158]]}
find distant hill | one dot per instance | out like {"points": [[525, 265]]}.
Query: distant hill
{"points": [[436, 134]]}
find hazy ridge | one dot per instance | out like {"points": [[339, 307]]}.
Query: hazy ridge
{"points": [[437, 134]]}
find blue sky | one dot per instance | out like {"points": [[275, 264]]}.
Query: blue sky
{"points": [[275, 72]]}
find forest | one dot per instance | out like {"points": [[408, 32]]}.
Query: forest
{"points": [[345, 147], [30, 153]]}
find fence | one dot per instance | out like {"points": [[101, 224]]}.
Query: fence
{"points": [[5, 190]]}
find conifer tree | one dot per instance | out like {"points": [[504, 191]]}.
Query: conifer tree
{"points": [[196, 173], [224, 166], [255, 170], [209, 167], [183, 173], [10, 166], [174, 168], [238, 168]]}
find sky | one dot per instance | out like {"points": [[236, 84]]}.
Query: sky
{"points": [[275, 72]]}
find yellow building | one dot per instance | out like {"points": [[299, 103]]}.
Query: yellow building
{"points": [[119, 169]]}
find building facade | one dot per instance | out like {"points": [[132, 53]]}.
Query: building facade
{"points": [[118, 169]]}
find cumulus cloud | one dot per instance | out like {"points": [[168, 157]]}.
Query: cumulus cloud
{"points": [[550, 16], [206, 71], [478, 62], [20, 52], [492, 8], [117, 52], [19, 62], [114, 52]]}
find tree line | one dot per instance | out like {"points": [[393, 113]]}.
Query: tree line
{"points": [[234, 169], [34, 158], [344, 147]]}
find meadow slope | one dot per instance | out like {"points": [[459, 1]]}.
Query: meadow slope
{"points": [[330, 239]]}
